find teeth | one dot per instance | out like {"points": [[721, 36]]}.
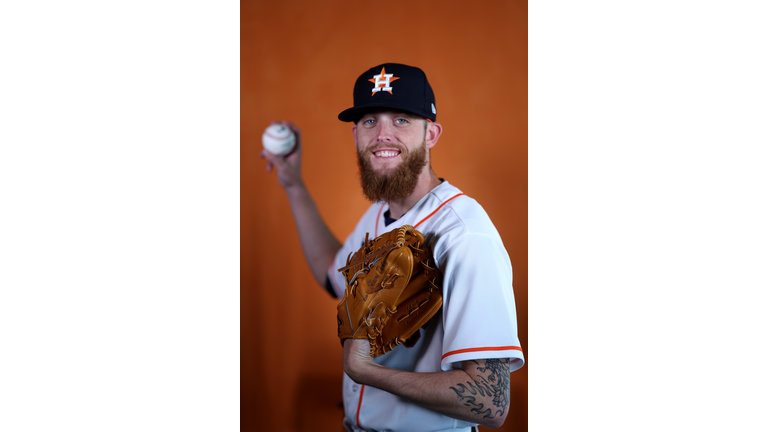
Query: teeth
{"points": [[386, 153]]}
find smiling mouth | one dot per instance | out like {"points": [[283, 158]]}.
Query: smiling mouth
{"points": [[386, 153]]}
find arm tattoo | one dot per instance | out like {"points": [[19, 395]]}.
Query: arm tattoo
{"points": [[495, 383]]}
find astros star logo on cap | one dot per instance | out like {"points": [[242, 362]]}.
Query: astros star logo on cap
{"points": [[383, 81]]}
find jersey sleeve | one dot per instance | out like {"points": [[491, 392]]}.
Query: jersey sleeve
{"points": [[335, 277], [479, 313]]}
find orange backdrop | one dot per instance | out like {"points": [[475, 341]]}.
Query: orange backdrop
{"points": [[299, 61]]}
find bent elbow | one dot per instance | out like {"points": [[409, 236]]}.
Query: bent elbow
{"points": [[496, 422]]}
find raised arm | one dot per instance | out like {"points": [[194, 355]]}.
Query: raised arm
{"points": [[477, 393], [317, 241]]}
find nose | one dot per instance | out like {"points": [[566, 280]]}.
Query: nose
{"points": [[385, 131]]}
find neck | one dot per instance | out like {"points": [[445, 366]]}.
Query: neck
{"points": [[427, 181]]}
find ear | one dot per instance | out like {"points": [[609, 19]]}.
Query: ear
{"points": [[354, 133], [434, 130]]}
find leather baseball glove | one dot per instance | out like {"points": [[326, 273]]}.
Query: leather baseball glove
{"points": [[392, 289]]}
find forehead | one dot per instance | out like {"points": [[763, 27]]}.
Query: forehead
{"points": [[388, 111]]}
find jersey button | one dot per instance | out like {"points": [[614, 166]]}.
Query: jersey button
{"points": [[355, 388]]}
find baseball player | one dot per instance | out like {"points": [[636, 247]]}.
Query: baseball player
{"points": [[453, 373]]}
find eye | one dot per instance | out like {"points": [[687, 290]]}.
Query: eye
{"points": [[401, 120], [367, 122]]}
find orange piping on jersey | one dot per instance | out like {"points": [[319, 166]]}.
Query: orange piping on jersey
{"points": [[357, 419], [505, 348], [432, 214], [376, 229]]}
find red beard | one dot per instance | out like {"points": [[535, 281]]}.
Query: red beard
{"points": [[396, 185]]}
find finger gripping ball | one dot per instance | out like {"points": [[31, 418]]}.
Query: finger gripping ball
{"points": [[278, 139]]}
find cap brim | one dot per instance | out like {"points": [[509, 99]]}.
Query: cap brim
{"points": [[353, 114]]}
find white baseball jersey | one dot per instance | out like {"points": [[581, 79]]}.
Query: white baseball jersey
{"points": [[477, 320]]}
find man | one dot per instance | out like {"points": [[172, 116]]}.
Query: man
{"points": [[453, 374]]}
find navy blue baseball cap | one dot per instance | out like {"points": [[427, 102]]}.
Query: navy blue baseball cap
{"points": [[392, 85]]}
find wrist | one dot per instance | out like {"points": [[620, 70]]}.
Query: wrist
{"points": [[296, 189], [358, 364]]}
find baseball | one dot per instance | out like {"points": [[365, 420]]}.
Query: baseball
{"points": [[278, 139]]}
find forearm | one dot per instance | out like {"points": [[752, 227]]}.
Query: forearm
{"points": [[435, 391], [317, 242], [477, 393]]}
